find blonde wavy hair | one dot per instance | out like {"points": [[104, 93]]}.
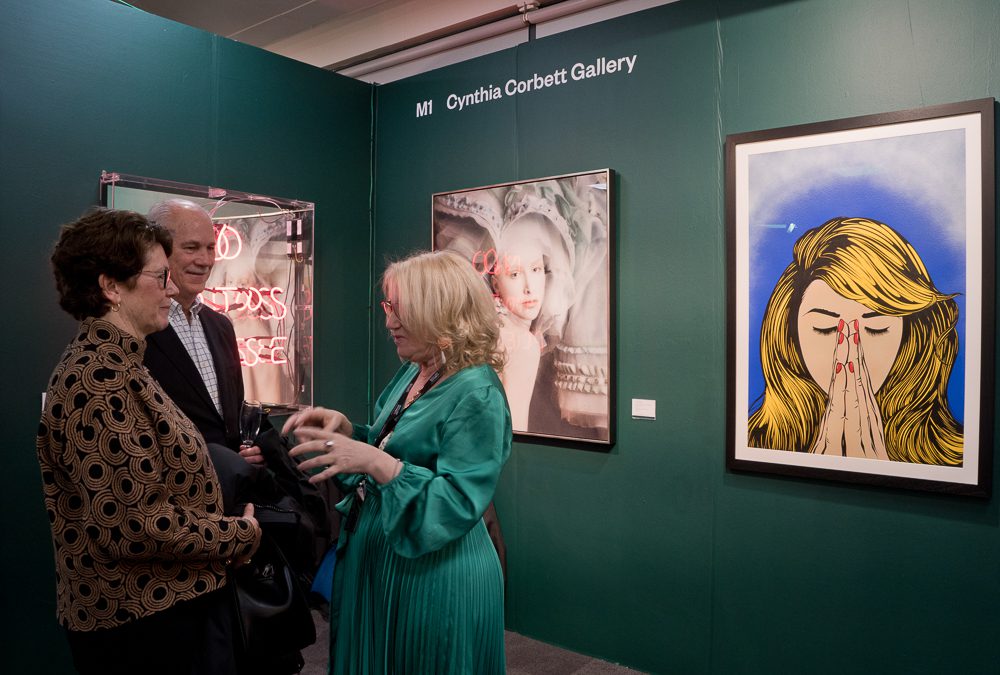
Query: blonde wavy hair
{"points": [[870, 263], [443, 301]]}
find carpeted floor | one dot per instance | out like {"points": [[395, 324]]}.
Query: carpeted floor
{"points": [[524, 657], [531, 657]]}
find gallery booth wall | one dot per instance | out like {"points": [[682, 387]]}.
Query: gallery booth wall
{"points": [[89, 85], [649, 553], [652, 554]]}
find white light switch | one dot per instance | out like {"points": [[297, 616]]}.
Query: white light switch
{"points": [[643, 409]]}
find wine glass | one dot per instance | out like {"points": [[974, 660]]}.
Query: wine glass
{"points": [[251, 414]]}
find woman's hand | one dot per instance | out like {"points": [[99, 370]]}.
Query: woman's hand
{"points": [[322, 418], [852, 423], [248, 515], [337, 453]]}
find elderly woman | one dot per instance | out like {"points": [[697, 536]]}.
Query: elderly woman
{"points": [[141, 543], [418, 587]]}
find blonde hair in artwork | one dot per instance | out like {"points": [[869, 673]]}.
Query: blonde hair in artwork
{"points": [[870, 263]]}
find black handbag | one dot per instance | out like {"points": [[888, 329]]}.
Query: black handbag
{"points": [[274, 617]]}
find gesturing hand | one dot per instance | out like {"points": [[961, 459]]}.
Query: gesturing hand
{"points": [[321, 418], [337, 453], [852, 424]]}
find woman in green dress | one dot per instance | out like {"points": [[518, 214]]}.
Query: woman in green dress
{"points": [[418, 586]]}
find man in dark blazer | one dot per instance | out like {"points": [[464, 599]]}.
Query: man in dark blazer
{"points": [[176, 372], [197, 362], [196, 359]]}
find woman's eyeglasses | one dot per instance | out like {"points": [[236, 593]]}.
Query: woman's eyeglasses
{"points": [[163, 276], [389, 309]]}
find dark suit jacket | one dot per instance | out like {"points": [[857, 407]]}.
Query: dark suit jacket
{"points": [[168, 362], [173, 368]]}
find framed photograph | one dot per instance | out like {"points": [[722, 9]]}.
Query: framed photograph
{"points": [[545, 248], [861, 293]]}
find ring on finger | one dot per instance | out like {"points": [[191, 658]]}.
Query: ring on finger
{"points": [[328, 445]]}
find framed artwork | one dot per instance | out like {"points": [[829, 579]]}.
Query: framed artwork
{"points": [[262, 278], [545, 248], [861, 294]]}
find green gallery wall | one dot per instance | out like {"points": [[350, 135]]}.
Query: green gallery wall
{"points": [[650, 554], [87, 85]]}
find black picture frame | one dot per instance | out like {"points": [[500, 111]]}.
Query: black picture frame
{"points": [[823, 215]]}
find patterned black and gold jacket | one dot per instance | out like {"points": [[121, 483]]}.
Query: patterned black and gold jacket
{"points": [[131, 495]]}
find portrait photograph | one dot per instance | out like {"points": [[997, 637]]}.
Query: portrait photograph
{"points": [[544, 248], [860, 313]]}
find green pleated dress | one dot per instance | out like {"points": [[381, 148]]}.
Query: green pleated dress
{"points": [[418, 586]]}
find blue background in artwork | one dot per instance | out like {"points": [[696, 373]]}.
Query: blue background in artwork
{"points": [[851, 197]]}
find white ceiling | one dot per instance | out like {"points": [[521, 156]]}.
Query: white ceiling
{"points": [[369, 39]]}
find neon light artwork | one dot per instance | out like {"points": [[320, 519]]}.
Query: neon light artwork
{"points": [[262, 350], [258, 303], [228, 243]]}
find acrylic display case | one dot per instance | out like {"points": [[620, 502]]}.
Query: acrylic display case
{"points": [[262, 278]]}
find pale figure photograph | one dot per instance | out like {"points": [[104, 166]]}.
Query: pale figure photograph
{"points": [[517, 280], [543, 248]]}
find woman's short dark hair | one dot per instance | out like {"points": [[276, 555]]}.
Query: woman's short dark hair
{"points": [[102, 241]]}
